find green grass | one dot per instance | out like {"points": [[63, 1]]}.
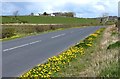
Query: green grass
{"points": [[114, 45], [111, 71], [114, 33], [49, 20]]}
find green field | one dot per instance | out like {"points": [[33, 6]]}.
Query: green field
{"points": [[48, 20]]}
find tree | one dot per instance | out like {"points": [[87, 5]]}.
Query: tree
{"points": [[15, 13], [45, 13], [69, 14], [39, 14], [32, 14], [104, 18]]}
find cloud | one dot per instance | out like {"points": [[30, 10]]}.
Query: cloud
{"points": [[82, 8], [9, 8]]}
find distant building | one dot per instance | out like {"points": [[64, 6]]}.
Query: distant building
{"points": [[36, 14], [113, 17], [57, 14], [65, 14], [52, 14]]}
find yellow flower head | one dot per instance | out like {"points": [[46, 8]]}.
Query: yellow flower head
{"points": [[89, 45]]}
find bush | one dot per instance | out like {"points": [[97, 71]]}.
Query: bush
{"points": [[8, 32], [114, 45], [39, 29]]}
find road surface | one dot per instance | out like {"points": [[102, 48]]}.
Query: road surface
{"points": [[22, 54]]}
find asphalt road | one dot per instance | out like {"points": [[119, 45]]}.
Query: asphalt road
{"points": [[22, 54]]}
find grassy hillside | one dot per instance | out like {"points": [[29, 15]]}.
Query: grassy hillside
{"points": [[48, 20]]}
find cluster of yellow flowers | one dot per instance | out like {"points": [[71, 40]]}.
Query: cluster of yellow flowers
{"points": [[95, 35], [55, 63]]}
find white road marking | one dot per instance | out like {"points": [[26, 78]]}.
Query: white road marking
{"points": [[58, 35], [21, 46], [34, 42]]}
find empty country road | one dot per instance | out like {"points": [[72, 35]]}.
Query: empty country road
{"points": [[20, 55]]}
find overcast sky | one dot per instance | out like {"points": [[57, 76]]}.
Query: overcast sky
{"points": [[82, 8]]}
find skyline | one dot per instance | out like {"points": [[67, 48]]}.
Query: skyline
{"points": [[86, 8]]}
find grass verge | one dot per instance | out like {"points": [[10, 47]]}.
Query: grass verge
{"points": [[111, 71], [81, 62]]}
